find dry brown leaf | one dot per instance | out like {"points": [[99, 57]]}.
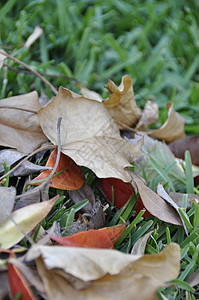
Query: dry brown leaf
{"points": [[149, 116], [11, 156], [88, 134], [190, 143], [93, 207], [172, 129], [19, 126], [88, 93], [193, 279], [155, 204], [178, 198], [162, 193], [4, 285], [39, 195], [82, 273], [38, 31], [121, 103], [7, 199], [140, 246]]}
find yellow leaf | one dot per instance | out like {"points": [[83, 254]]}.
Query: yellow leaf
{"points": [[26, 218]]}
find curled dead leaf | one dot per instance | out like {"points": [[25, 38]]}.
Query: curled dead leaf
{"points": [[38, 31], [121, 103], [149, 116], [172, 129]]}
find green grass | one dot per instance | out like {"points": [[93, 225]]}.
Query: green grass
{"points": [[157, 44]]}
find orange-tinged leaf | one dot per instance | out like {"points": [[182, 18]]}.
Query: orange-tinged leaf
{"points": [[18, 284], [71, 177], [90, 239], [114, 232]]}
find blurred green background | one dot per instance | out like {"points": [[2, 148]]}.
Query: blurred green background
{"points": [[155, 42]]}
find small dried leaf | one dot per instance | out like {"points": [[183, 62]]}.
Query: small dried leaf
{"points": [[172, 129], [178, 197], [71, 178], [88, 93], [155, 204], [38, 31], [140, 246], [7, 199], [190, 143], [39, 195], [26, 218], [93, 208], [19, 120], [193, 279], [149, 116], [121, 103], [90, 136], [85, 192], [11, 156], [4, 285], [161, 192]]}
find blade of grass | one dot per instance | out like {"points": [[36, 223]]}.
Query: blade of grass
{"points": [[189, 174]]}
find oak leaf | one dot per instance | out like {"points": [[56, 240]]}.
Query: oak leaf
{"points": [[121, 103]]}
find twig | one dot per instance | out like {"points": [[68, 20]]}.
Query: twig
{"points": [[26, 158], [55, 166], [43, 74], [53, 89]]}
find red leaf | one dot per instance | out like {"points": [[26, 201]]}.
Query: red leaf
{"points": [[18, 284], [114, 232], [122, 193], [70, 179], [90, 239]]}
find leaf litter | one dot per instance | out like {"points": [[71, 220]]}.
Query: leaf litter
{"points": [[89, 138]]}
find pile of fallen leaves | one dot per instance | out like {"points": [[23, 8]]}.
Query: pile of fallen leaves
{"points": [[111, 138]]}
